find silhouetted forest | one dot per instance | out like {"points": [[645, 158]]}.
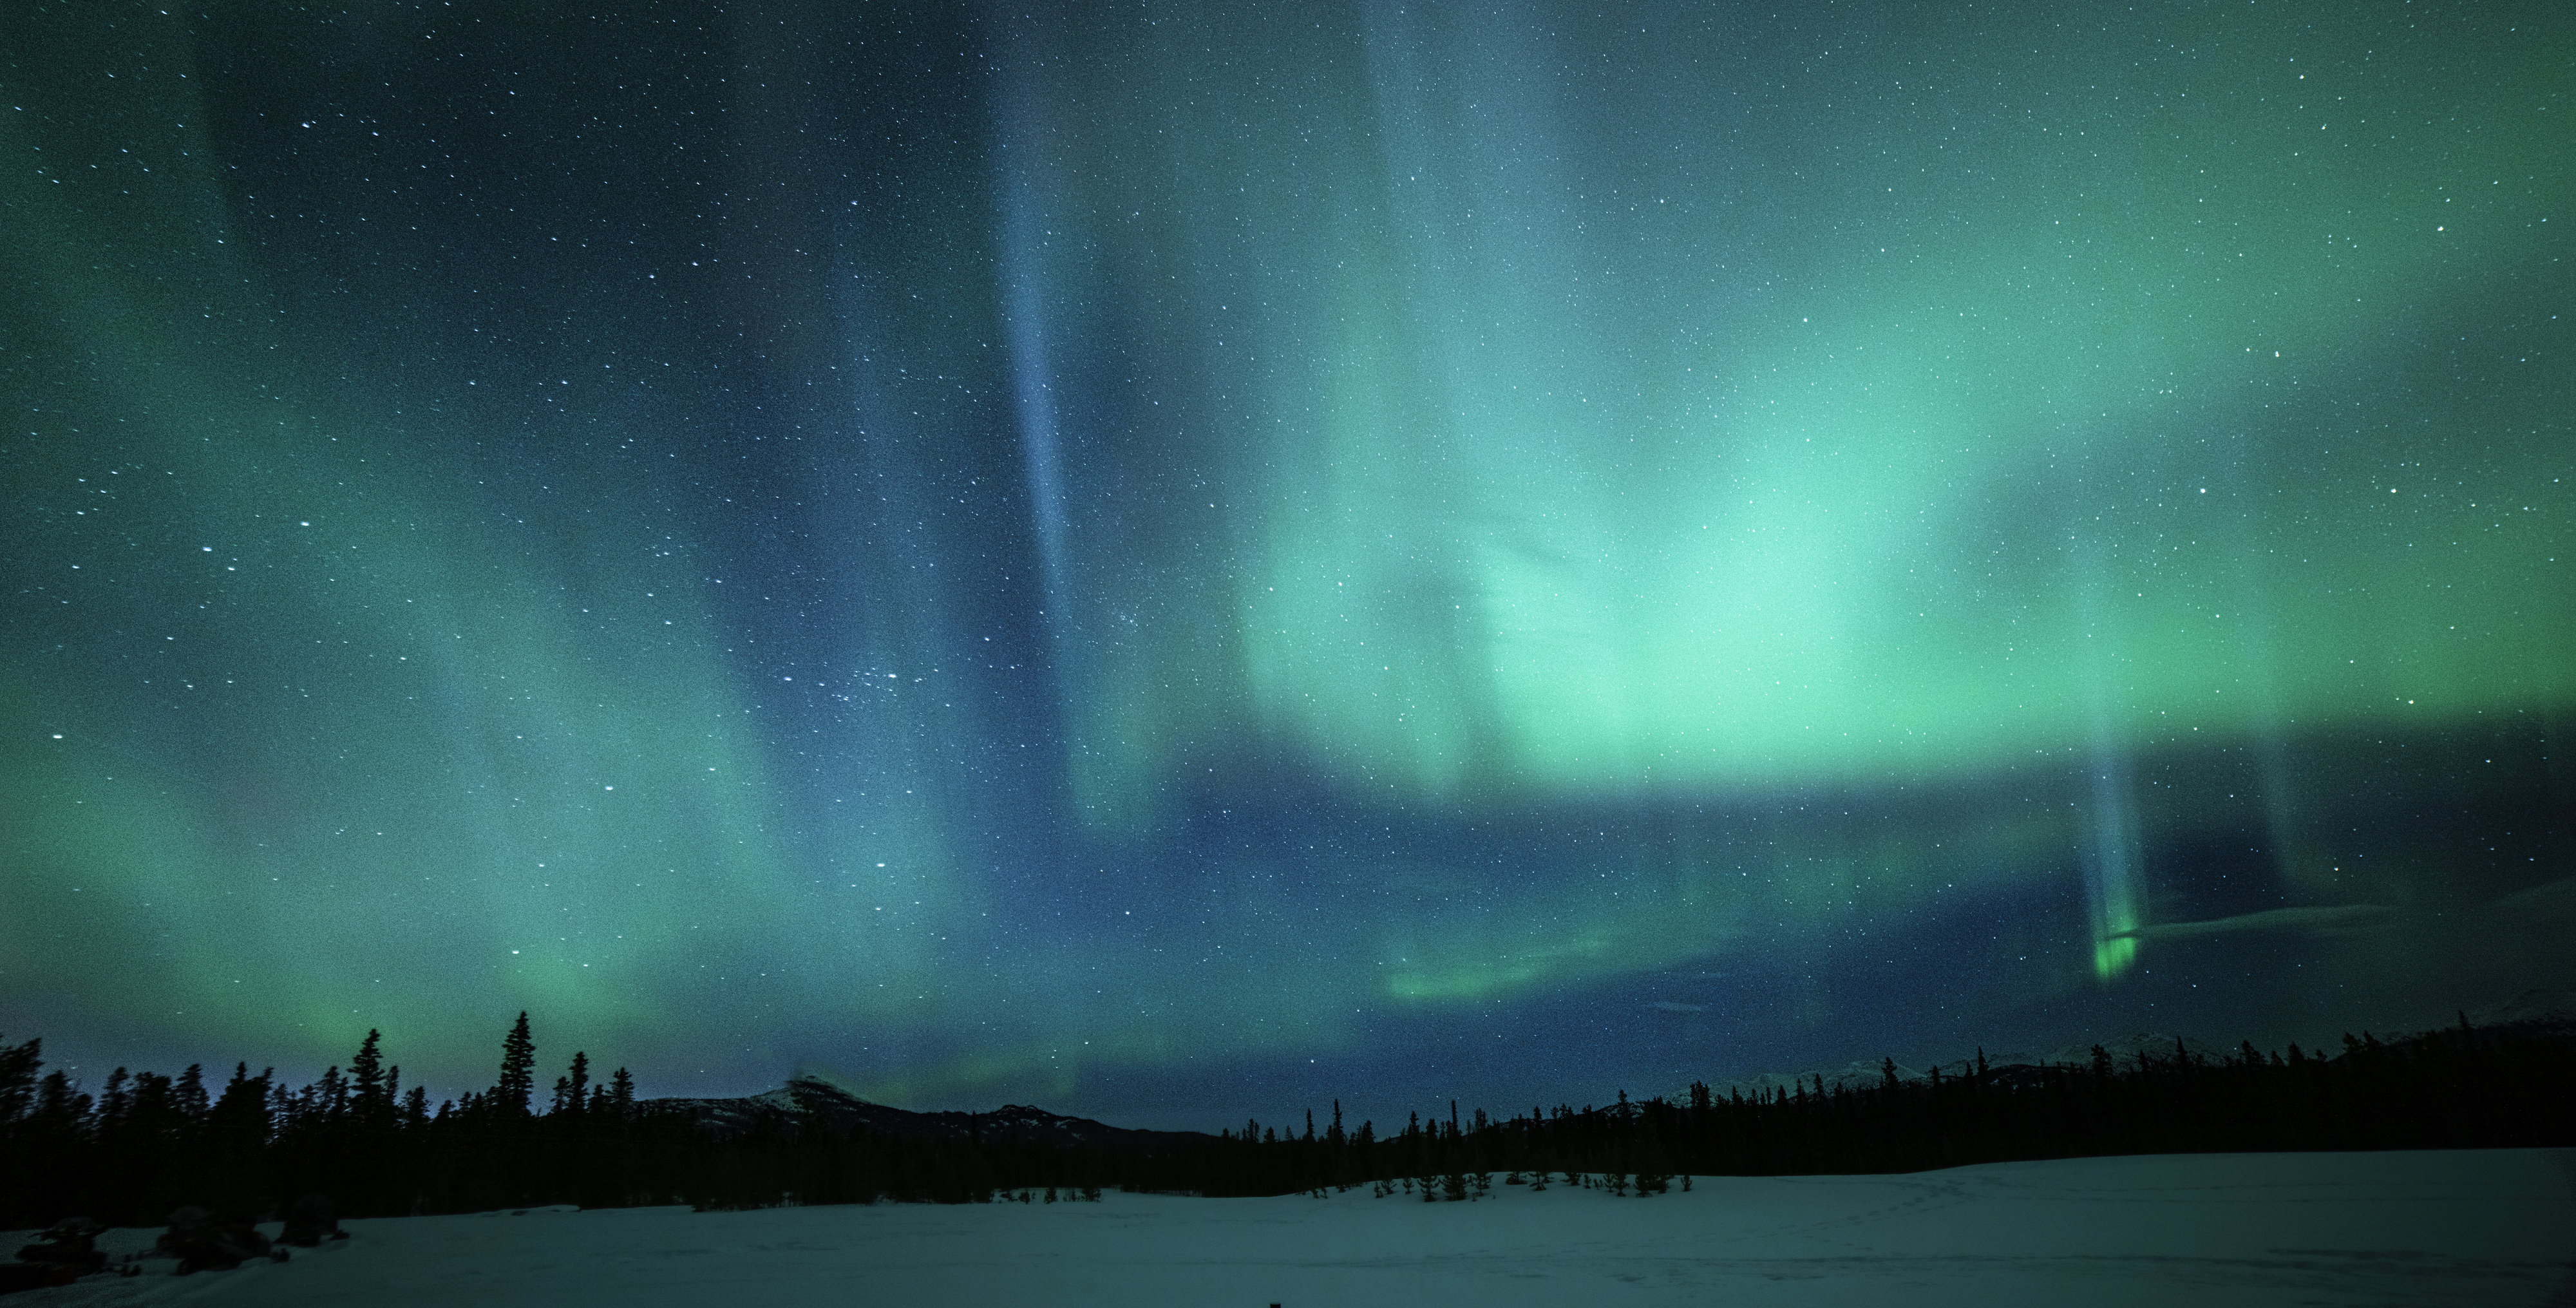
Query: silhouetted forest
{"points": [[147, 1143]]}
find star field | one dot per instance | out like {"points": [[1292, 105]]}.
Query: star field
{"points": [[1176, 561]]}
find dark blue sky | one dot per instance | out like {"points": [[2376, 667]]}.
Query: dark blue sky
{"points": [[1178, 563]]}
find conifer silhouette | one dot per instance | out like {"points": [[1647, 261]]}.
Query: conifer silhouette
{"points": [[572, 1090], [518, 1070], [151, 1141], [371, 1095]]}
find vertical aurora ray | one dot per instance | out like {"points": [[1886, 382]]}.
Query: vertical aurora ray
{"points": [[1024, 272], [1042, 447], [2110, 867]]}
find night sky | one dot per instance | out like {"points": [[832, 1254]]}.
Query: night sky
{"points": [[1176, 561]]}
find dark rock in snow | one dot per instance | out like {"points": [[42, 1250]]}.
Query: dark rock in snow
{"points": [[68, 1244], [203, 1242], [64, 1255], [310, 1221]]}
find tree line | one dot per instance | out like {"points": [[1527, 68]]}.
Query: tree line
{"points": [[147, 1143]]}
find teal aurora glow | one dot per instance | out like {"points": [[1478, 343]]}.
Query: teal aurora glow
{"points": [[1171, 560]]}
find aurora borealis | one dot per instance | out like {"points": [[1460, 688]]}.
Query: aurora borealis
{"points": [[1170, 561]]}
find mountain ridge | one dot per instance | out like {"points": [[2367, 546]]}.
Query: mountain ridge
{"points": [[811, 1098]]}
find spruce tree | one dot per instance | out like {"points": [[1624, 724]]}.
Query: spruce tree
{"points": [[18, 1067], [371, 1095], [192, 1095], [329, 1096], [518, 1071], [240, 1116], [114, 1097]]}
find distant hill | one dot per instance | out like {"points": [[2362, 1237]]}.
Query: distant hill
{"points": [[2533, 1012], [2537, 1010], [812, 1100], [2124, 1052]]}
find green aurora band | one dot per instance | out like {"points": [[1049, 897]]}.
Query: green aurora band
{"points": [[1952, 401], [2076, 396], [1499, 423]]}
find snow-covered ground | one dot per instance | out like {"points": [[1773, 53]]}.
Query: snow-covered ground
{"points": [[2491, 1228]]}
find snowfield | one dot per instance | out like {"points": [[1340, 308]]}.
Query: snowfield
{"points": [[2491, 1228]]}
